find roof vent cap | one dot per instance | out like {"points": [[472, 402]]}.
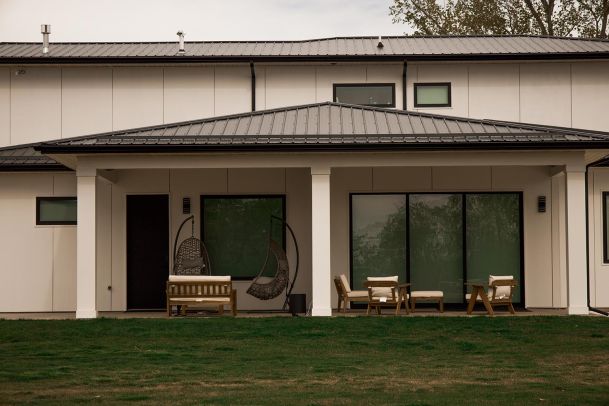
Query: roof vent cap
{"points": [[45, 30], [380, 44], [181, 49]]}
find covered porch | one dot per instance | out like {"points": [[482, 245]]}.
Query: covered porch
{"points": [[321, 175]]}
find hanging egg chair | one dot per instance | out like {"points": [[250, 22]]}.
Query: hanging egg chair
{"points": [[191, 258]]}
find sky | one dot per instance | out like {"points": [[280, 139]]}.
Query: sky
{"points": [[201, 20]]}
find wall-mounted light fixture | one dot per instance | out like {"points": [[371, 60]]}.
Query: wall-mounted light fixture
{"points": [[541, 204], [186, 205]]}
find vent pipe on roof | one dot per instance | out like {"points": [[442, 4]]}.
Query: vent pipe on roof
{"points": [[181, 49], [380, 44], [45, 30]]}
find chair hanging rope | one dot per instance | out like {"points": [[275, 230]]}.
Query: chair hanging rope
{"points": [[281, 280], [191, 258]]}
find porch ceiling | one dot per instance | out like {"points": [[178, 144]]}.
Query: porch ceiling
{"points": [[331, 126]]}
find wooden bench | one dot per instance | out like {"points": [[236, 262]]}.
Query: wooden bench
{"points": [[435, 295], [184, 291]]}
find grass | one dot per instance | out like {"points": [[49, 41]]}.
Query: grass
{"points": [[307, 361]]}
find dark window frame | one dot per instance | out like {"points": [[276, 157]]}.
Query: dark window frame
{"points": [[40, 199], [391, 85], [430, 84], [241, 196], [605, 224], [463, 195]]}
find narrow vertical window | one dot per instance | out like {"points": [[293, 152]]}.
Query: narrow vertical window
{"points": [[606, 227]]}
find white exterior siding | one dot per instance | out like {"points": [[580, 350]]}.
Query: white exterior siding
{"points": [[86, 101], [53, 102], [38, 262], [35, 105]]}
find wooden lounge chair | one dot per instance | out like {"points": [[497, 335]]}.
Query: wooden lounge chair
{"points": [[346, 295], [500, 293], [386, 292]]}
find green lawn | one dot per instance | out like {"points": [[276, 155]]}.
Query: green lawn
{"points": [[361, 360]]}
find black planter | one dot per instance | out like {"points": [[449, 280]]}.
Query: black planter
{"points": [[298, 303]]}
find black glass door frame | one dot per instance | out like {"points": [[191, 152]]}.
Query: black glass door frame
{"points": [[464, 232]]}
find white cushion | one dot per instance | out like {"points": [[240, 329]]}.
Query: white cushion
{"points": [[503, 292], [201, 299], [427, 293], [345, 283], [198, 278], [358, 293], [382, 292]]}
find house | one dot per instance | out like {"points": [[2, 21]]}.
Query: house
{"points": [[440, 159]]}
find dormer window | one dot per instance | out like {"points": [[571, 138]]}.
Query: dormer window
{"points": [[432, 95], [365, 94]]}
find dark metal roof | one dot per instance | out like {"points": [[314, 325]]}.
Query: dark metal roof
{"points": [[331, 126], [347, 48], [26, 158]]}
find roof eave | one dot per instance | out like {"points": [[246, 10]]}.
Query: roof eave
{"points": [[418, 146], [301, 58]]}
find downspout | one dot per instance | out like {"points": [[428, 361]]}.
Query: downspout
{"points": [[253, 74], [590, 308], [404, 78]]}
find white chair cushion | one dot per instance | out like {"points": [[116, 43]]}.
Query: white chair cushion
{"points": [[198, 278], [427, 293], [502, 292], [345, 282], [358, 293], [201, 299], [382, 292]]}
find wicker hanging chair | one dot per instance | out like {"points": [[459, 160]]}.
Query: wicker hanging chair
{"points": [[191, 258], [265, 288]]}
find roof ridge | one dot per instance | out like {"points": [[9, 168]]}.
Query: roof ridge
{"points": [[371, 37]]}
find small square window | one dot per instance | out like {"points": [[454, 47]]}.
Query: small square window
{"points": [[432, 95], [366, 94], [56, 210]]}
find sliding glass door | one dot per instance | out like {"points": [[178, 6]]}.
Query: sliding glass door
{"points": [[378, 237], [436, 244], [437, 241]]}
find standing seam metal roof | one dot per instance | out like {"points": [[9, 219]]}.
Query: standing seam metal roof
{"points": [[394, 46], [332, 125]]}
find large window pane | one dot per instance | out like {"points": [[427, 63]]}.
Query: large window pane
{"points": [[236, 232], [493, 237], [378, 237], [380, 95], [55, 210], [436, 244]]}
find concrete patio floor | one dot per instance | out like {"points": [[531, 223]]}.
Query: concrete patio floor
{"points": [[420, 312]]}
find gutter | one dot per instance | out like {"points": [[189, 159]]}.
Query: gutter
{"points": [[301, 58], [590, 308], [313, 147]]}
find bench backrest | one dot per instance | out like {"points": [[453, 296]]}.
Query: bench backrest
{"points": [[205, 289]]}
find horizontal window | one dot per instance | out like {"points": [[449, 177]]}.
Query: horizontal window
{"points": [[366, 94], [236, 231], [55, 210], [432, 95]]}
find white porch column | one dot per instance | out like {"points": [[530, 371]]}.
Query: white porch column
{"points": [[577, 292], [320, 220], [85, 245]]}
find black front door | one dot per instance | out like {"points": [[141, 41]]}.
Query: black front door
{"points": [[147, 251]]}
